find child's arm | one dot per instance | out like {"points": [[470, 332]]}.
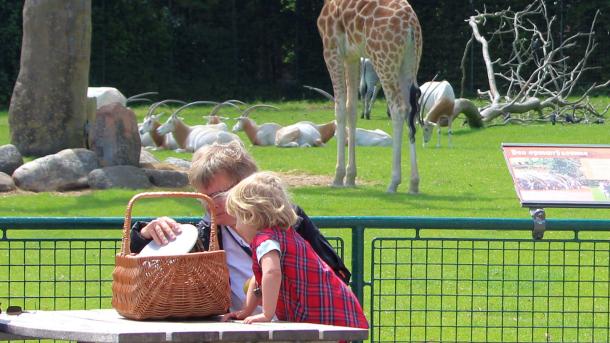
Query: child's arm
{"points": [[249, 306], [272, 279]]}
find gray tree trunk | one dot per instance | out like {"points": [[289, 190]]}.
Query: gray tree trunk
{"points": [[48, 107]]}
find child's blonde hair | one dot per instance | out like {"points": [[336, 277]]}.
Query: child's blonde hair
{"points": [[261, 200], [232, 159]]}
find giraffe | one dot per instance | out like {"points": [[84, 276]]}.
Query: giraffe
{"points": [[387, 32]]}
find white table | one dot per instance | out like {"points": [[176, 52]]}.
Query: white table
{"points": [[109, 326]]}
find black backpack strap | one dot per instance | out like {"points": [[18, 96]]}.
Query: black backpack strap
{"points": [[310, 232]]}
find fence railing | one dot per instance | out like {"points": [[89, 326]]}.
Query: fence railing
{"points": [[426, 279]]}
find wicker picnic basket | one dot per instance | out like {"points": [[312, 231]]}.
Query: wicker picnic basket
{"points": [[154, 287]]}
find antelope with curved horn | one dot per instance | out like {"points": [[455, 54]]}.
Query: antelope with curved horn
{"points": [[440, 108], [304, 134], [258, 134], [148, 128], [214, 120], [191, 138]]}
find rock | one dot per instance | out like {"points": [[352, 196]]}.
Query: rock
{"points": [[68, 169], [147, 157], [119, 177], [161, 166], [167, 178], [6, 183], [10, 159], [48, 107], [115, 138], [180, 163]]}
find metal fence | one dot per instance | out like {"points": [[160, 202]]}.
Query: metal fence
{"points": [[419, 279]]}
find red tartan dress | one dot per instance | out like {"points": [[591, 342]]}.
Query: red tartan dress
{"points": [[310, 291]]}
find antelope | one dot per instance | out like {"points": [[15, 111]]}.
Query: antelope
{"points": [[369, 87], [305, 134], [191, 138], [364, 137], [108, 95], [148, 129], [440, 107], [258, 135]]}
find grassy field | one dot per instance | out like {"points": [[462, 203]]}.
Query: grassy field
{"points": [[469, 180], [426, 290]]}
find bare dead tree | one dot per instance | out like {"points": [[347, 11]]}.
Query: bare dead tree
{"points": [[538, 73]]}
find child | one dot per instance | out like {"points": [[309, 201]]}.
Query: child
{"points": [[295, 284]]}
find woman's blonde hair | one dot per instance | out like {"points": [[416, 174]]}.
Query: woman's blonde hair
{"points": [[232, 159], [261, 200]]}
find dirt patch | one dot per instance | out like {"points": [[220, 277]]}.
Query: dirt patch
{"points": [[295, 178], [292, 178]]}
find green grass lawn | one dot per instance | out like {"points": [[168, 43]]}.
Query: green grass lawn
{"points": [[469, 180], [476, 288]]}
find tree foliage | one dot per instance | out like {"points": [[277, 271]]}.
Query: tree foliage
{"points": [[265, 49]]}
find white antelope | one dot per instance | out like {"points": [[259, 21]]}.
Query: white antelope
{"points": [[375, 137], [148, 129], [258, 134], [191, 138], [108, 95], [305, 134], [364, 137], [440, 107]]}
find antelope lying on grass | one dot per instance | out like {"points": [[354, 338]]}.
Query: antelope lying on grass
{"points": [[148, 129], [258, 134], [191, 138], [305, 134], [108, 95], [364, 137], [440, 107]]}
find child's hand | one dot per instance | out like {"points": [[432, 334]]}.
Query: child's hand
{"points": [[258, 318], [241, 314]]}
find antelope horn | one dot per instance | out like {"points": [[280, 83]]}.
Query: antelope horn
{"points": [[134, 97], [154, 106], [323, 92], [193, 104], [218, 106], [247, 111], [233, 101], [140, 100]]}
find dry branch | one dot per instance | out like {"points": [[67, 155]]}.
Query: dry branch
{"points": [[538, 73]]}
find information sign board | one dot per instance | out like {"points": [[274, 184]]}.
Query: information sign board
{"points": [[560, 175]]}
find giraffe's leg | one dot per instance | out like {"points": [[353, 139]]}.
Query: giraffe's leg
{"points": [[334, 63], [352, 104], [397, 128]]}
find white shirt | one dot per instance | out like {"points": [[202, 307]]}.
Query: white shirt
{"points": [[240, 267]]}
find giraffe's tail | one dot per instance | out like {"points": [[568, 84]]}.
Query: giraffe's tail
{"points": [[414, 94]]}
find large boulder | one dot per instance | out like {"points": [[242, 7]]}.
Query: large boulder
{"points": [[6, 183], [167, 178], [68, 169], [119, 177], [147, 157], [178, 162], [10, 159], [114, 136], [48, 106]]}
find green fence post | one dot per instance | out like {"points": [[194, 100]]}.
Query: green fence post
{"points": [[358, 261]]}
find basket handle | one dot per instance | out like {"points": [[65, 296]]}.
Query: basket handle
{"points": [[125, 248]]}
